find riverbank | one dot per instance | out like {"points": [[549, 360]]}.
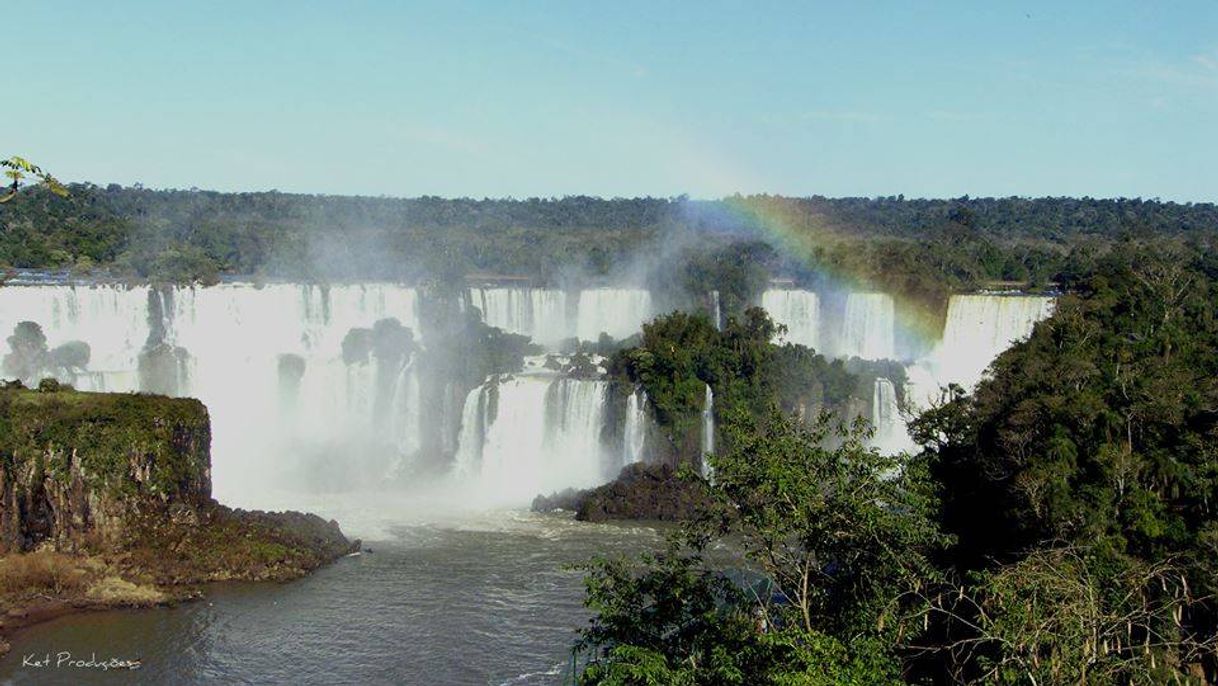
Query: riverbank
{"points": [[485, 597], [170, 562], [44, 585]]}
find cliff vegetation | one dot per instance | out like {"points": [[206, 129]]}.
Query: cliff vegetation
{"points": [[105, 500]]}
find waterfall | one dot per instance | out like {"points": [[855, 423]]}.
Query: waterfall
{"points": [[113, 321], [473, 433], [233, 332], [619, 312], [407, 427], [634, 436], [538, 313], [544, 436], [979, 327], [797, 310], [891, 435], [575, 412], [708, 430], [546, 315], [716, 313], [869, 328], [312, 382], [267, 361]]}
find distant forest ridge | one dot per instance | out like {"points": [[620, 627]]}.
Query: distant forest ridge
{"points": [[922, 247]]}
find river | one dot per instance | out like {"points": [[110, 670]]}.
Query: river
{"points": [[470, 599]]}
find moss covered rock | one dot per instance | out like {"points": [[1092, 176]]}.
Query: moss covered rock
{"points": [[128, 477], [76, 465]]}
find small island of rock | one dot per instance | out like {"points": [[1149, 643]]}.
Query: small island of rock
{"points": [[105, 501]]}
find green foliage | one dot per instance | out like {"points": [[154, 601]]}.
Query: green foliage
{"points": [[109, 435], [1081, 476], [672, 620], [17, 170], [1064, 615], [680, 354], [837, 546], [1100, 427], [672, 363], [918, 248], [1059, 528], [738, 271], [845, 534]]}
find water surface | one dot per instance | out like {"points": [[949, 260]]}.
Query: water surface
{"points": [[480, 601]]}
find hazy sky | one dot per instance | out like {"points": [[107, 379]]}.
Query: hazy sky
{"points": [[620, 98]]}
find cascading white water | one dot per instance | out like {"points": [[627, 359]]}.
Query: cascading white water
{"points": [[575, 420], [716, 313], [269, 363], [539, 313], [891, 435], [405, 405], [981, 326], [797, 310], [978, 328], [544, 314], [236, 336], [868, 329], [708, 430], [113, 321], [634, 435], [544, 435], [619, 312], [473, 431]]}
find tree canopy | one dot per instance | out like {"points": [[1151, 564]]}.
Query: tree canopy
{"points": [[1058, 526]]}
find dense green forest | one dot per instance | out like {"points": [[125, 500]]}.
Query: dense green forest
{"points": [[917, 247], [1058, 525], [679, 355]]}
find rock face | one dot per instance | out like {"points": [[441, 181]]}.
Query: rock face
{"points": [[654, 492], [128, 477], [75, 466]]}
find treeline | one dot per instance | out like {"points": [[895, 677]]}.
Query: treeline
{"points": [[915, 246], [1058, 525]]}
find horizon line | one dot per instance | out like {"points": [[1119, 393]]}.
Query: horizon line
{"points": [[680, 197]]}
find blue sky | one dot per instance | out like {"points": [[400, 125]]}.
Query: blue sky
{"points": [[620, 99]]}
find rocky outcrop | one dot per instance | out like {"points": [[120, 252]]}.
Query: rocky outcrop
{"points": [[216, 543], [75, 466], [646, 492], [105, 501], [121, 474]]}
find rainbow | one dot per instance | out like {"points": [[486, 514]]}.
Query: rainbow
{"points": [[811, 238]]}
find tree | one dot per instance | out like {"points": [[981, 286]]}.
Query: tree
{"points": [[844, 534], [1082, 475], [834, 546], [18, 170]]}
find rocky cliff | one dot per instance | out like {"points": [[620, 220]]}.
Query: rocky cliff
{"points": [[125, 480], [75, 467]]}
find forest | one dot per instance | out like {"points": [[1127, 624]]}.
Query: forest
{"points": [[1056, 526], [678, 246]]}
